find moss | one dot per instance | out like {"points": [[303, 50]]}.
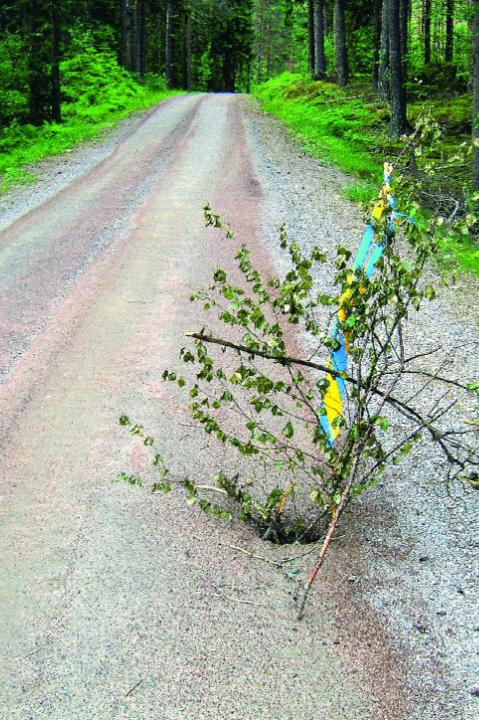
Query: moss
{"points": [[348, 128]]}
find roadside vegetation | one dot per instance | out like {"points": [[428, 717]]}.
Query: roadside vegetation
{"points": [[96, 93], [349, 128], [326, 426]]}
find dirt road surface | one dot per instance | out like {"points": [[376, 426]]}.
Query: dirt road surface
{"points": [[118, 604]]}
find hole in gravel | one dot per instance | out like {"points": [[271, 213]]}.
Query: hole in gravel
{"points": [[289, 529]]}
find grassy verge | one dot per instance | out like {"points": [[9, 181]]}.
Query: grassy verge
{"points": [[348, 128], [97, 94]]}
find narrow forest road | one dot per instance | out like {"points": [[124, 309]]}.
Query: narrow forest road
{"points": [[118, 604]]}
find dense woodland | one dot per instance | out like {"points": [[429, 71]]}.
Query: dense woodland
{"points": [[56, 54]]}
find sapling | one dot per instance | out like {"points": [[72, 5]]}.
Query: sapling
{"points": [[263, 387]]}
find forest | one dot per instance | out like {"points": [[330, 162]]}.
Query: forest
{"points": [[349, 77]]}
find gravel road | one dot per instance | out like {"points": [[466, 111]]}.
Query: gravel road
{"points": [[118, 604]]}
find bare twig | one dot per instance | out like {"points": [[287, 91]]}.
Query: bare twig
{"points": [[253, 555], [211, 488], [132, 689], [326, 544]]}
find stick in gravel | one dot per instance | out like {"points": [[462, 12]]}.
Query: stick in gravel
{"points": [[132, 689]]}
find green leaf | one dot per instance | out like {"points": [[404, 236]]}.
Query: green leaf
{"points": [[163, 487], [288, 430], [130, 479], [219, 275]]}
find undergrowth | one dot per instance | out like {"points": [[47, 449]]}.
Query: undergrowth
{"points": [[96, 94], [348, 128]]}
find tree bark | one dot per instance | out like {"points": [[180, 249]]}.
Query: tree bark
{"points": [[142, 39], [169, 44], [311, 54], [398, 95], [319, 56], [187, 52], [55, 62], [127, 57], [377, 43], [342, 68], [383, 72], [403, 28], [449, 52], [475, 90], [427, 31]]}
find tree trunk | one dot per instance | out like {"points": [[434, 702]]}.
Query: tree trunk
{"points": [[377, 43], [342, 69], [39, 77], [319, 56], [229, 71], [55, 62], [475, 90], [383, 72], [403, 28], [127, 59], [187, 52], [311, 36], [169, 44], [427, 31], [142, 38], [449, 53], [398, 95]]}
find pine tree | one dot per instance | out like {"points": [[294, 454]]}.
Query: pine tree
{"points": [[398, 95], [311, 48], [142, 37], [170, 80], [377, 43], [342, 68], [427, 31], [319, 55], [55, 62], [475, 90], [127, 35], [449, 50], [383, 71]]}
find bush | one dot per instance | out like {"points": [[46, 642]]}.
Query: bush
{"points": [[320, 428], [96, 92], [436, 78]]}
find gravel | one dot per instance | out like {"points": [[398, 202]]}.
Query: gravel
{"points": [[58, 172], [116, 605], [418, 558]]}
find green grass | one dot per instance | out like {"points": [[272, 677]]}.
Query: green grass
{"points": [[348, 129], [333, 125], [96, 95]]}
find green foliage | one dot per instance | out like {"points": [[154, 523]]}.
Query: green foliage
{"points": [[332, 125], [351, 132], [272, 412], [13, 79], [97, 93], [436, 79]]}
